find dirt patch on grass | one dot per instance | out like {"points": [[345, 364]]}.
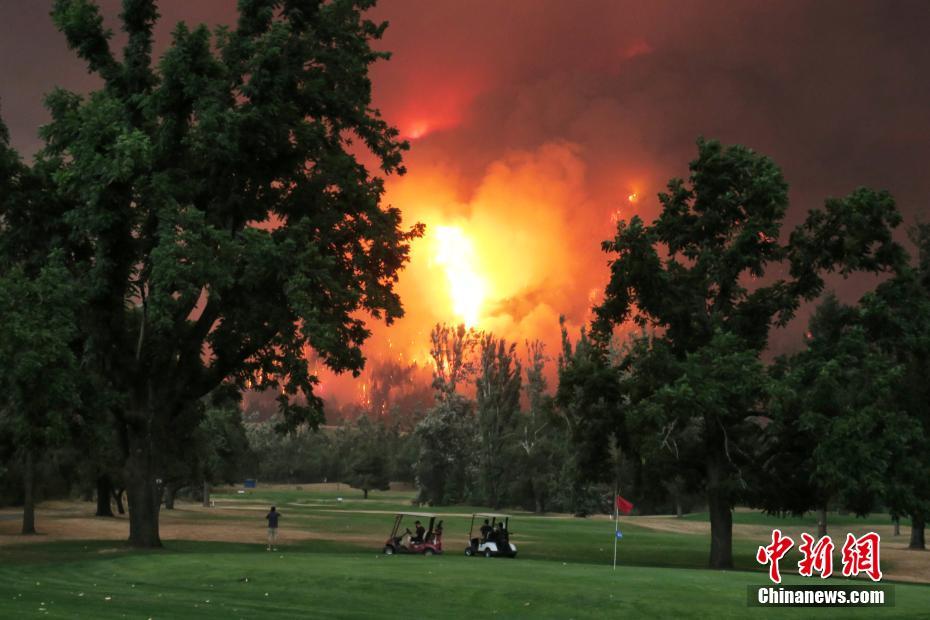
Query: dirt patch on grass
{"points": [[68, 521]]}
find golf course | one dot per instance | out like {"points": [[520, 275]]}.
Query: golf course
{"points": [[328, 563]]}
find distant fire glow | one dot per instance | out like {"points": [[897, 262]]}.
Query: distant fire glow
{"points": [[455, 253], [417, 130]]}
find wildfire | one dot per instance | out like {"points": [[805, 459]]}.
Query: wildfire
{"points": [[417, 130], [455, 253]]}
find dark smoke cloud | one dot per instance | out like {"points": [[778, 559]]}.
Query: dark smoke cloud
{"points": [[534, 120]]}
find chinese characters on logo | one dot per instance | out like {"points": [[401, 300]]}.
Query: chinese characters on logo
{"points": [[859, 555]]}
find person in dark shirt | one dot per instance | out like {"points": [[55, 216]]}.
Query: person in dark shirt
{"points": [[419, 533], [499, 536], [272, 518], [485, 531]]}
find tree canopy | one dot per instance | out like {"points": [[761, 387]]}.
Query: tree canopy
{"points": [[226, 222]]}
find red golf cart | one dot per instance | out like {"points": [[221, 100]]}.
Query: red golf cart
{"points": [[407, 541]]}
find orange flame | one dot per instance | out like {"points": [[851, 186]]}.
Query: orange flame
{"points": [[455, 252]]}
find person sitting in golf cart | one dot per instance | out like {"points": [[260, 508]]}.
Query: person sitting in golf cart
{"points": [[419, 534], [500, 534], [486, 530], [404, 541]]}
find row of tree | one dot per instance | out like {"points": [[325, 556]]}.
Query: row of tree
{"points": [[201, 223], [691, 403], [844, 422]]}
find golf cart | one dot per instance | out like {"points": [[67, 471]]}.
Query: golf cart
{"points": [[493, 539], [405, 541]]}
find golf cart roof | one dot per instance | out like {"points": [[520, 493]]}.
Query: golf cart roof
{"points": [[495, 515], [427, 515]]}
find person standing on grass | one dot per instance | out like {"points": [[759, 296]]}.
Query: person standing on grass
{"points": [[272, 528]]}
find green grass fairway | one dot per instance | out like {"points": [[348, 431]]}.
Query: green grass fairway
{"points": [[563, 572], [243, 581]]}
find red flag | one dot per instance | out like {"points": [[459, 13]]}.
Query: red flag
{"points": [[624, 506]]}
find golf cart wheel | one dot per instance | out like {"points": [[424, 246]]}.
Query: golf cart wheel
{"points": [[469, 551], [388, 550], [487, 553], [429, 552]]}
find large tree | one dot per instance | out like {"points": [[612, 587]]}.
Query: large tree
{"points": [[368, 466], [896, 316], [39, 304], [720, 388], [837, 425], [709, 264], [231, 224], [541, 436], [39, 382], [497, 387]]}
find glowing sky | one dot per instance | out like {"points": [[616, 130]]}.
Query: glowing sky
{"points": [[534, 122]]}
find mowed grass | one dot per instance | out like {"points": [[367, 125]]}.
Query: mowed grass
{"points": [[563, 572]]}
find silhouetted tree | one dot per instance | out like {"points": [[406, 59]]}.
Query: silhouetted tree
{"points": [[690, 276], [230, 225], [368, 465], [498, 407]]}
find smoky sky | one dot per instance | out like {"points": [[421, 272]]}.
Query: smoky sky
{"points": [[552, 113]]}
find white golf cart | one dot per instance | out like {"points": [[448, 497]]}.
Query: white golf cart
{"points": [[493, 539]]}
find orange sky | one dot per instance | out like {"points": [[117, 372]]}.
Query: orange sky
{"points": [[531, 123]]}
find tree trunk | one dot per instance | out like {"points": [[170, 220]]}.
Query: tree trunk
{"points": [[118, 498], [170, 491], [917, 533], [678, 511], [104, 491], [718, 499], [29, 481], [822, 522], [365, 491], [721, 530], [897, 526], [206, 494], [143, 494]]}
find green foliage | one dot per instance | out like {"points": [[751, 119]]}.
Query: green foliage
{"points": [[896, 316], [497, 386], [836, 418], [710, 410], [445, 467], [224, 456], [543, 446], [689, 272], [695, 277], [590, 400], [39, 382], [303, 455], [368, 466], [452, 350], [216, 212]]}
